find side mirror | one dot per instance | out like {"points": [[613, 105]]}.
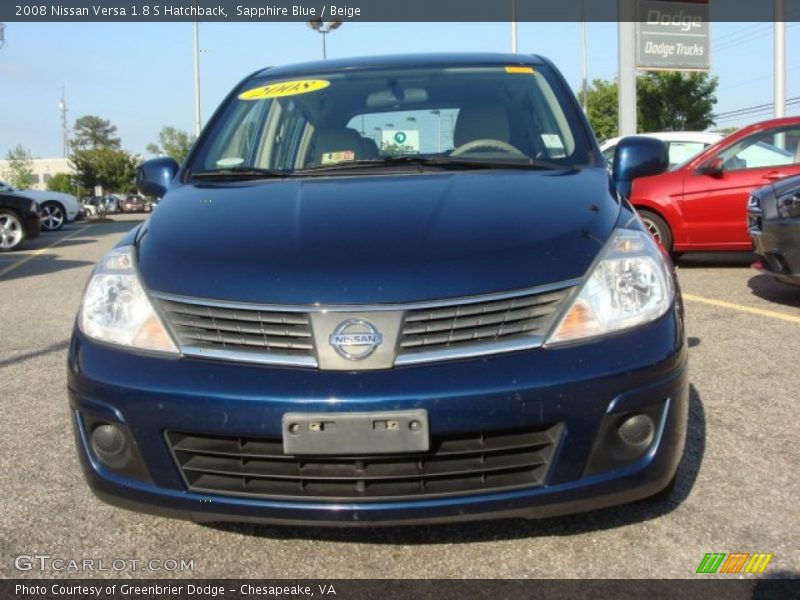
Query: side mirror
{"points": [[154, 176], [638, 156], [714, 167]]}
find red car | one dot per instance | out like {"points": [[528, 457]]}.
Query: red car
{"points": [[702, 203]]}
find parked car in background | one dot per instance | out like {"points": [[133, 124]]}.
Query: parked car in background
{"points": [[20, 220], [57, 208], [91, 204], [340, 337], [112, 203], [134, 203], [773, 213], [681, 145], [702, 204]]}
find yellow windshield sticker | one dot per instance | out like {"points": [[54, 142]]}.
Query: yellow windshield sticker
{"points": [[285, 88], [519, 69]]}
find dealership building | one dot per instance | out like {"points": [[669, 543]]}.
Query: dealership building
{"points": [[43, 170]]}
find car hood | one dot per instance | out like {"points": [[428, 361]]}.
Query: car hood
{"points": [[377, 238], [786, 185]]}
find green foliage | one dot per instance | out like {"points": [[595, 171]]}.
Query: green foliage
{"points": [[98, 158], [92, 132], [61, 182], [107, 167], [666, 101], [602, 108], [172, 142], [19, 172], [674, 101]]}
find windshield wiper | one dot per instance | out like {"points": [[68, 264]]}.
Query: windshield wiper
{"points": [[445, 162], [240, 173]]}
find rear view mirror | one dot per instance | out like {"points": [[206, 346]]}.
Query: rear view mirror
{"points": [[638, 156], [714, 167], [153, 177], [396, 97]]}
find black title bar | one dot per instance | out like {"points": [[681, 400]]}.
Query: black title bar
{"points": [[390, 589], [363, 10]]}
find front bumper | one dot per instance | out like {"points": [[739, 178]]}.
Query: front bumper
{"points": [[580, 386], [777, 246], [72, 210]]}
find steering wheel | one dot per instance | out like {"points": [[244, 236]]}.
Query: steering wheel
{"points": [[486, 143]]}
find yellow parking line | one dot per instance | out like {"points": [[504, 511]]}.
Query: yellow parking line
{"points": [[746, 309], [41, 251]]}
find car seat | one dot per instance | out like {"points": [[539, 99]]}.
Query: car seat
{"points": [[331, 140], [481, 122]]}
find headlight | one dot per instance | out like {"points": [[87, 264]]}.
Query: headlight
{"points": [[628, 286], [116, 309]]}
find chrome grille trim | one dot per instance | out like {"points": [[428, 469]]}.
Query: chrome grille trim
{"points": [[453, 328], [239, 333]]}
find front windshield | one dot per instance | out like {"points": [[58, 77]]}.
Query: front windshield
{"points": [[495, 115]]}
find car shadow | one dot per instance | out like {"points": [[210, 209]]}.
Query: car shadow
{"points": [[50, 243], [768, 288], [698, 260], [14, 360], [43, 265], [511, 529]]}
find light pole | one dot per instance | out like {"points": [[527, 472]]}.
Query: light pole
{"points": [[584, 65], [196, 79], [324, 28], [780, 58], [62, 106], [514, 26]]}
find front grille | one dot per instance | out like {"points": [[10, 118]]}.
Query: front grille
{"points": [[480, 322], [244, 329], [455, 465]]}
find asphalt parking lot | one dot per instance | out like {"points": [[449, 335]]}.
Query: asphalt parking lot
{"points": [[737, 489]]}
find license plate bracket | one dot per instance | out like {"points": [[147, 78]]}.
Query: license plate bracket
{"points": [[390, 432]]}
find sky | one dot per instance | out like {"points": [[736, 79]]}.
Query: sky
{"points": [[140, 76]]}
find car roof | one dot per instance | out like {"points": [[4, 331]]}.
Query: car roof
{"points": [[706, 137], [402, 60]]}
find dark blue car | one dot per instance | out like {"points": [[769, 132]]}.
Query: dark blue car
{"points": [[386, 290]]}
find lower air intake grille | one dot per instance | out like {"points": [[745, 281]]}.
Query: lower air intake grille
{"points": [[455, 465]]}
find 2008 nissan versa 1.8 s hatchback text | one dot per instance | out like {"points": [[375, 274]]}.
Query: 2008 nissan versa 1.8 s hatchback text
{"points": [[387, 290]]}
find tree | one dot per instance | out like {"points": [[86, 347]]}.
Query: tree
{"points": [[19, 172], [666, 101], [172, 142], [97, 155], [601, 101], [92, 132], [674, 101], [107, 167], [61, 182]]}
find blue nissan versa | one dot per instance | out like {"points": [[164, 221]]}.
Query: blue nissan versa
{"points": [[385, 290]]}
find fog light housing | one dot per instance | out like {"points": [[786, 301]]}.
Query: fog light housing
{"points": [[110, 446], [625, 437], [637, 431]]}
